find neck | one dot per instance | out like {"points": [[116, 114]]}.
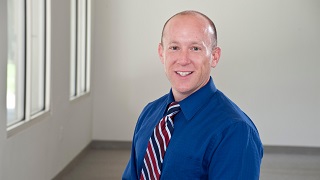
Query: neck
{"points": [[179, 96]]}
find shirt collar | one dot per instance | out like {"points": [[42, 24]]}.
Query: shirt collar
{"points": [[193, 103]]}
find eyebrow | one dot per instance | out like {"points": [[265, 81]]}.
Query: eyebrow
{"points": [[192, 43]]}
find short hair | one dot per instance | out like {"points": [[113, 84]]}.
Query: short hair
{"points": [[194, 13]]}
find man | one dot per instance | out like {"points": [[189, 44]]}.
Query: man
{"points": [[207, 136]]}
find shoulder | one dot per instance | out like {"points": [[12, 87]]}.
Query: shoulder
{"points": [[230, 111], [226, 120], [152, 108]]}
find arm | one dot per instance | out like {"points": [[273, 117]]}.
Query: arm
{"points": [[131, 170], [237, 154]]}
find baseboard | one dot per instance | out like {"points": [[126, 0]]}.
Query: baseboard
{"points": [[292, 150], [98, 144]]}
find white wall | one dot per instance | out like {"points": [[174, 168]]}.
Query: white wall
{"points": [[269, 67], [44, 149], [3, 80], [269, 64]]}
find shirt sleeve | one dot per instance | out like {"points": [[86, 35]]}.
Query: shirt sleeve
{"points": [[236, 154], [130, 173]]}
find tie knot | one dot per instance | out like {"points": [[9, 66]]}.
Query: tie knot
{"points": [[173, 109]]}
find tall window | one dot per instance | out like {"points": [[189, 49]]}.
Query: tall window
{"points": [[26, 68], [16, 61], [80, 48], [37, 55]]}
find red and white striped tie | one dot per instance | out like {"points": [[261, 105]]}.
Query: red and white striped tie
{"points": [[158, 143]]}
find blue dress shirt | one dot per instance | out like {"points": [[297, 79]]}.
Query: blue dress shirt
{"points": [[212, 139]]}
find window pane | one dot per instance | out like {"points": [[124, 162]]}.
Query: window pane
{"points": [[73, 64], [16, 61], [79, 63], [37, 56], [82, 46]]}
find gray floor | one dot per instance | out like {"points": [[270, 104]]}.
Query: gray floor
{"points": [[109, 164]]}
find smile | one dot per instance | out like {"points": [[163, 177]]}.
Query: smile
{"points": [[183, 73]]}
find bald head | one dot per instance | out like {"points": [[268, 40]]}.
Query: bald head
{"points": [[211, 27]]}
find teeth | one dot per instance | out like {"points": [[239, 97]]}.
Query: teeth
{"points": [[184, 73]]}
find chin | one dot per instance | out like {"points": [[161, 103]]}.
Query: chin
{"points": [[183, 90]]}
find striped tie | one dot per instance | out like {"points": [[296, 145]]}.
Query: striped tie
{"points": [[158, 143]]}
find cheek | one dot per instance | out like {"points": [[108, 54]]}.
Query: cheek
{"points": [[168, 62], [166, 66], [206, 66]]}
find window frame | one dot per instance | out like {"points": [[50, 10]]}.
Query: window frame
{"points": [[29, 118], [19, 69], [79, 75]]}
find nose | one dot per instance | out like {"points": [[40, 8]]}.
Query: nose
{"points": [[183, 58]]}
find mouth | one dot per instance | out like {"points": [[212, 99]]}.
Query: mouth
{"points": [[184, 73]]}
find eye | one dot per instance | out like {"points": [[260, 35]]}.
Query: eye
{"points": [[195, 48], [174, 48]]}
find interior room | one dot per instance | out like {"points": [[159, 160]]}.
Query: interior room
{"points": [[269, 66]]}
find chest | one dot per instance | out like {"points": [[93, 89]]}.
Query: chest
{"points": [[188, 154]]}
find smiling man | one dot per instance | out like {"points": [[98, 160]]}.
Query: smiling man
{"points": [[188, 51], [194, 131]]}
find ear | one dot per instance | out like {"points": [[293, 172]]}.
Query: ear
{"points": [[215, 56], [160, 53]]}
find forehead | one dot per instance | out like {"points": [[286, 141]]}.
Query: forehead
{"points": [[187, 26]]}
